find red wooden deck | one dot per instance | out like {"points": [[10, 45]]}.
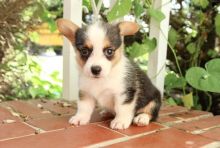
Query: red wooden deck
{"points": [[43, 124]]}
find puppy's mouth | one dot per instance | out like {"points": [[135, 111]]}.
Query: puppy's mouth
{"points": [[96, 77]]}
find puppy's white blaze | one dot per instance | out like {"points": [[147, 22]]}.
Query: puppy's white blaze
{"points": [[96, 35]]}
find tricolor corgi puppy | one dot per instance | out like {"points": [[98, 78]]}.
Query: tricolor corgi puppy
{"points": [[108, 77]]}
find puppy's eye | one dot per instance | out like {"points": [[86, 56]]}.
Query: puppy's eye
{"points": [[109, 52], [85, 52]]}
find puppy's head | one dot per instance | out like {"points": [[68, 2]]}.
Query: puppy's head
{"points": [[98, 46]]}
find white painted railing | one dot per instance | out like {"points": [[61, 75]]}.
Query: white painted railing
{"points": [[72, 11], [157, 59]]}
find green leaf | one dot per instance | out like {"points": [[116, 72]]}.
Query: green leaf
{"points": [[212, 53], [217, 24], [191, 48], [87, 4], [120, 9], [156, 14], [201, 16], [171, 101], [188, 100], [173, 36], [205, 79], [33, 92], [201, 3], [52, 25], [40, 9], [150, 44], [172, 81], [138, 8], [55, 76], [34, 36], [197, 105], [213, 67], [137, 49]]}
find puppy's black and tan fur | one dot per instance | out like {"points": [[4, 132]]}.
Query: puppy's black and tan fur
{"points": [[108, 77]]}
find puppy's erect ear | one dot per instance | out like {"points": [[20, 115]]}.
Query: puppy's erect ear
{"points": [[67, 28], [128, 28]]}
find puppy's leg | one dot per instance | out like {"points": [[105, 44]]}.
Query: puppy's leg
{"points": [[146, 114], [124, 113], [142, 119], [86, 105]]}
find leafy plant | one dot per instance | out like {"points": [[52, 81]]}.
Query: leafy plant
{"points": [[17, 18], [121, 8], [156, 14], [217, 24], [197, 36], [136, 49], [205, 79]]}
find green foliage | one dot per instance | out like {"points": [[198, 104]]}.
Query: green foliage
{"points": [[173, 36], [44, 89], [191, 40], [34, 36], [121, 8], [188, 100], [191, 48], [196, 103], [217, 24], [87, 4], [171, 101], [138, 8], [173, 81], [137, 50], [45, 15], [156, 14], [205, 79], [39, 87], [19, 73], [212, 53], [201, 3]]}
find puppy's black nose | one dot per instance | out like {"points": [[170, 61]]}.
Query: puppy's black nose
{"points": [[96, 70]]}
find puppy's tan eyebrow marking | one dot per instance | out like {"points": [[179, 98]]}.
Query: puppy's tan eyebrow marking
{"points": [[106, 43], [88, 44]]}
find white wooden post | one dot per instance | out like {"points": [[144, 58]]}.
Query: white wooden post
{"points": [[72, 11], [157, 59]]}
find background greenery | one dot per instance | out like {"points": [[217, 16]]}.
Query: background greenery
{"points": [[193, 70], [19, 70]]}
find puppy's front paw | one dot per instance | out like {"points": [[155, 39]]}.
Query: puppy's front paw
{"points": [[142, 119], [79, 120], [118, 123]]}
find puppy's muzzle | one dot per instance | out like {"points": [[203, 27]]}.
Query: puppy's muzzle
{"points": [[96, 70]]}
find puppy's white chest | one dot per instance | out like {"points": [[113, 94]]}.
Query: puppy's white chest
{"points": [[106, 99], [95, 86], [103, 90]]}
